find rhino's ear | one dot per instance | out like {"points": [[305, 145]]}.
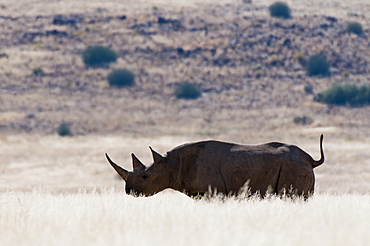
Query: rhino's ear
{"points": [[122, 172], [156, 156], [136, 163]]}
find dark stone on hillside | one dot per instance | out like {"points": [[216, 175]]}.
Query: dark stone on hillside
{"points": [[197, 29], [28, 37], [197, 50], [287, 43], [142, 28], [321, 34], [213, 52], [182, 52], [4, 55], [66, 20], [146, 50], [56, 33], [277, 25], [222, 60], [123, 17], [176, 24], [162, 20], [8, 18], [187, 53], [325, 26], [298, 27], [147, 24], [331, 19], [269, 39]]}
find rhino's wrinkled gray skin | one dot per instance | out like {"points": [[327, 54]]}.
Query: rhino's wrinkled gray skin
{"points": [[195, 168]]}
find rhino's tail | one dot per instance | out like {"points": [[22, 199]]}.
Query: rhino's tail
{"points": [[322, 159]]}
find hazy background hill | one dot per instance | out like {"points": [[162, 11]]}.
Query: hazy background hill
{"points": [[245, 64]]}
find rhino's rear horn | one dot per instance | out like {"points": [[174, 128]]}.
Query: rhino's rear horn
{"points": [[156, 156], [136, 163], [122, 172]]}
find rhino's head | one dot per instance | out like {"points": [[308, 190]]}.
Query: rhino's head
{"points": [[145, 180]]}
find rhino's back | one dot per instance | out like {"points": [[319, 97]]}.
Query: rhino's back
{"points": [[257, 164], [198, 165], [227, 166], [268, 166]]}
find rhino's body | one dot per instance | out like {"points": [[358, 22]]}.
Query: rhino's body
{"points": [[196, 168]]}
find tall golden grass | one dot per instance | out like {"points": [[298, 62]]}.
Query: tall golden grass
{"points": [[61, 191], [110, 217]]}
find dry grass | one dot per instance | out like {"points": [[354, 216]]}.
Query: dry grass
{"points": [[113, 218]]}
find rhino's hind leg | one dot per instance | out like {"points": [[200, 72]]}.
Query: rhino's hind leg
{"points": [[296, 184]]}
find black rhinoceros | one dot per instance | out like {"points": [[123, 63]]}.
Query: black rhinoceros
{"points": [[196, 168]]}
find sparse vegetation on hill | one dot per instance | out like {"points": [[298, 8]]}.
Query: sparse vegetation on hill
{"points": [[280, 10], [121, 78], [246, 62], [64, 129], [38, 71], [347, 94], [317, 65], [98, 56], [303, 120], [354, 27], [187, 90]]}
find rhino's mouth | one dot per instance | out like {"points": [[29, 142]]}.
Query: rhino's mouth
{"points": [[131, 191]]}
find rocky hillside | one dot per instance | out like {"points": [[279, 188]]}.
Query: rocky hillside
{"points": [[247, 64]]}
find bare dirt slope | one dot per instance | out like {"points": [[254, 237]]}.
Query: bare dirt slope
{"points": [[244, 61], [245, 64]]}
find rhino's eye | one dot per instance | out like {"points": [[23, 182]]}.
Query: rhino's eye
{"points": [[145, 176]]}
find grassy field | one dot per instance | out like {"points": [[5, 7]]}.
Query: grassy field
{"points": [[61, 191], [109, 217]]}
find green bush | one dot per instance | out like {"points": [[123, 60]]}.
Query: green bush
{"points": [[354, 27], [64, 129], [187, 90], [280, 10], [38, 71], [317, 65], [347, 94], [121, 78], [308, 89], [97, 56], [303, 120]]}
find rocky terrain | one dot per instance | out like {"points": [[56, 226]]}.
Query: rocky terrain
{"points": [[245, 62]]}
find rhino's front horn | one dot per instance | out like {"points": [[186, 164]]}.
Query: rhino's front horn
{"points": [[122, 172], [136, 163], [156, 157]]}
